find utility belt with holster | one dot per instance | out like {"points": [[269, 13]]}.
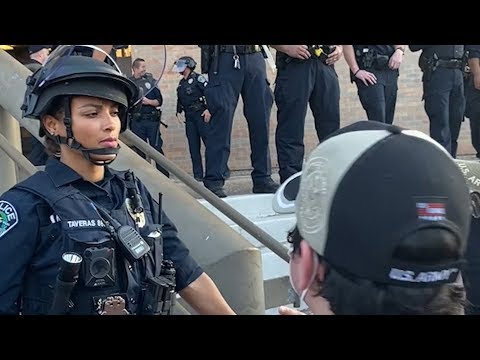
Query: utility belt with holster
{"points": [[370, 59], [197, 105], [428, 64], [153, 115], [240, 49], [319, 52], [209, 55]]}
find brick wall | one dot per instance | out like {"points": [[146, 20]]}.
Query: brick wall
{"points": [[409, 111]]}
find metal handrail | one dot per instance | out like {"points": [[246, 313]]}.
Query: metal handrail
{"points": [[17, 156], [258, 233]]}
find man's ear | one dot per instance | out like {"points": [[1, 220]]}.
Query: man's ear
{"points": [[311, 263], [306, 264]]}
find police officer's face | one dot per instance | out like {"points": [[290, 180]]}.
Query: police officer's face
{"points": [[140, 70], [95, 124]]}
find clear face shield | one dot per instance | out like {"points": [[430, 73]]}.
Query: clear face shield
{"points": [[56, 60], [179, 66]]}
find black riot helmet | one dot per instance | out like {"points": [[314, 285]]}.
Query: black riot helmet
{"points": [[182, 63], [67, 74]]}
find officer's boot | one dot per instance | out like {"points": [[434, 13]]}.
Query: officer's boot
{"points": [[266, 187], [220, 192]]}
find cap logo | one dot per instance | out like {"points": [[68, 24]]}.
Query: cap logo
{"points": [[422, 277], [431, 211], [313, 196]]}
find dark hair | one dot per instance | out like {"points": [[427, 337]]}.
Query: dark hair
{"points": [[136, 63], [57, 110], [350, 295]]}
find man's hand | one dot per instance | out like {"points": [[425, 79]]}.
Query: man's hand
{"points": [[366, 77], [180, 118], [284, 310], [294, 51], [335, 55], [395, 60], [146, 101], [206, 116]]}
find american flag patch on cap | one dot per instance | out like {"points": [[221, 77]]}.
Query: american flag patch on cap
{"points": [[431, 211]]}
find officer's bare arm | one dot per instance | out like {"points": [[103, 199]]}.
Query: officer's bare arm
{"points": [[204, 296], [349, 55], [151, 102], [474, 65]]}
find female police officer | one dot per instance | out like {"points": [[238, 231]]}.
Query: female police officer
{"points": [[78, 205]]}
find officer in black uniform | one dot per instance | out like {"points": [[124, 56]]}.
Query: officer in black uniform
{"points": [[38, 55], [146, 120], [305, 75], [79, 237], [375, 70], [191, 100], [443, 91], [472, 95], [235, 70]]}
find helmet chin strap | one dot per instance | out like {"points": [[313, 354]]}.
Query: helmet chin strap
{"points": [[74, 144]]}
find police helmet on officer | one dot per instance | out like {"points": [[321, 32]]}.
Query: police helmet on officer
{"points": [[67, 76], [182, 63]]}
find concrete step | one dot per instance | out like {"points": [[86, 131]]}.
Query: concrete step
{"points": [[258, 209]]}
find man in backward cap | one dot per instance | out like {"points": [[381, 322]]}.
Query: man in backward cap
{"points": [[383, 216]]}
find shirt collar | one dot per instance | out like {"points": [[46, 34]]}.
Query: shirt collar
{"points": [[62, 174]]}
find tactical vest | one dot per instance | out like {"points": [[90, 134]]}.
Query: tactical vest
{"points": [[105, 271], [190, 95], [145, 83]]}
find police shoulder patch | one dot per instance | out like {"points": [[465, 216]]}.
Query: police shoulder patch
{"points": [[201, 79], [8, 217]]}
